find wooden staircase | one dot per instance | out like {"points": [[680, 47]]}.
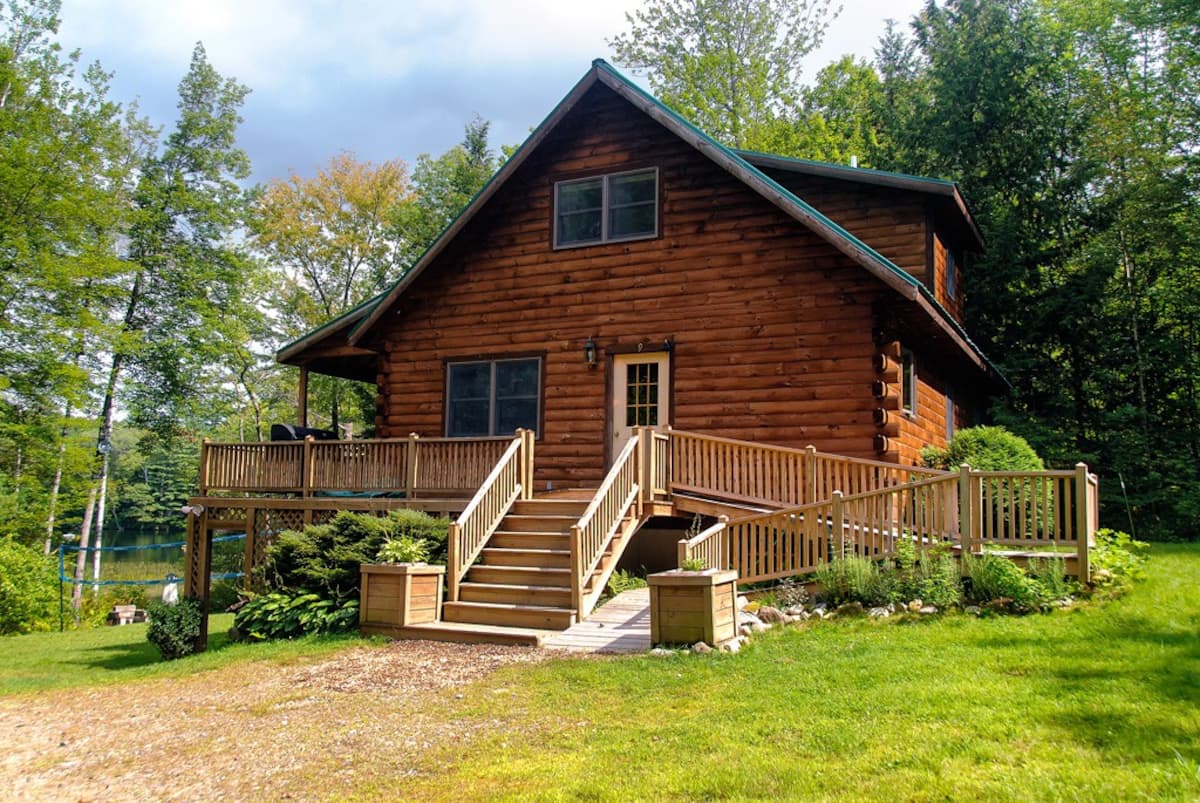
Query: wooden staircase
{"points": [[522, 578]]}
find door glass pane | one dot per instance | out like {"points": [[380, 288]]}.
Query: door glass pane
{"points": [[641, 394]]}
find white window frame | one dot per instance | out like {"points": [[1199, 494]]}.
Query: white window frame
{"points": [[908, 384], [605, 209], [491, 363]]}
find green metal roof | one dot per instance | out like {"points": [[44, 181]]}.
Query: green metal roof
{"points": [[851, 172]]}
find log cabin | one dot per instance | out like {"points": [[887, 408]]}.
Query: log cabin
{"points": [[678, 329], [625, 269]]}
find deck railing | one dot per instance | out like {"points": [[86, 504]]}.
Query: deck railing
{"points": [[974, 509], [507, 482], [710, 547], [412, 465], [777, 476], [611, 505]]}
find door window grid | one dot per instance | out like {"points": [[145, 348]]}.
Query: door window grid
{"points": [[641, 394]]}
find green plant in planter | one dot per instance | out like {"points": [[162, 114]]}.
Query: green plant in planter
{"points": [[404, 549], [692, 565]]}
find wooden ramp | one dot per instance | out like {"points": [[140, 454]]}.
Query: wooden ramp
{"points": [[622, 625]]}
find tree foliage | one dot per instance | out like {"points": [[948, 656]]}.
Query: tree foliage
{"points": [[730, 66]]}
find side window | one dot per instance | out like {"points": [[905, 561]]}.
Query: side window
{"points": [[908, 383], [601, 209]]}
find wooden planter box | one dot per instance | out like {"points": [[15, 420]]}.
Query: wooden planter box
{"points": [[686, 607], [398, 595]]}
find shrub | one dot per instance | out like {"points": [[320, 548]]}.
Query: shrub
{"points": [[96, 607], [692, 565], [1117, 560], [1050, 572], [994, 577], [174, 629], [854, 579], [622, 580], [281, 615], [404, 549], [28, 588], [934, 579], [984, 449], [324, 559]]}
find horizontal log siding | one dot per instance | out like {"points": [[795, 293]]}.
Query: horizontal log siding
{"points": [[891, 221], [952, 305], [771, 325], [928, 427]]}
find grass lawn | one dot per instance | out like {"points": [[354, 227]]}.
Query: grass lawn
{"points": [[1098, 703], [103, 655]]}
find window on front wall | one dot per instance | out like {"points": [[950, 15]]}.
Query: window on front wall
{"points": [[492, 397], [600, 209], [908, 383], [951, 278]]}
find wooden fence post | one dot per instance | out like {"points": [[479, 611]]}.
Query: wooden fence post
{"points": [[838, 521], [966, 512], [410, 477], [204, 458], [1083, 570], [453, 549], [306, 476], [808, 494], [645, 472]]}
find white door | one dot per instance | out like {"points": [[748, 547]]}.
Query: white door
{"points": [[641, 394]]}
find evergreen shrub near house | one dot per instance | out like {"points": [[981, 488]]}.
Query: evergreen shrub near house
{"points": [[173, 629], [28, 588], [984, 449]]}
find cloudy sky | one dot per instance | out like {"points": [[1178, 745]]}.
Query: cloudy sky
{"points": [[381, 78]]}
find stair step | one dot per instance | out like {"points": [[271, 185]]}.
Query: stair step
{"points": [[519, 575], [507, 540], [521, 523], [486, 613], [540, 558], [546, 596], [550, 507]]}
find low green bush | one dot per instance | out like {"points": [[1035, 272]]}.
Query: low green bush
{"points": [[622, 580], [1050, 572], [984, 449], [28, 588], [281, 615], [994, 577], [1117, 560], [173, 629], [404, 549], [855, 579]]}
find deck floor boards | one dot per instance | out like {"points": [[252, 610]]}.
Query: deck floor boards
{"points": [[622, 625]]}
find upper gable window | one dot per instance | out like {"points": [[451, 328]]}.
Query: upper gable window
{"points": [[601, 209], [951, 277]]}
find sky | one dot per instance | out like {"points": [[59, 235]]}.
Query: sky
{"points": [[383, 79]]}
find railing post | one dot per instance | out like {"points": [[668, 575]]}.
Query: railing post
{"points": [[577, 571], [205, 456], [453, 550], [809, 492], [306, 471], [682, 552], [410, 477], [645, 460], [838, 521], [724, 543], [966, 511], [1082, 536], [527, 464]]}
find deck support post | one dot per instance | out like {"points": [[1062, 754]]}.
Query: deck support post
{"points": [[808, 494], [966, 513], [453, 547], [1082, 535], [302, 398]]}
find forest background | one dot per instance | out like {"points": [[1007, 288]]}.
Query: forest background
{"points": [[144, 285]]}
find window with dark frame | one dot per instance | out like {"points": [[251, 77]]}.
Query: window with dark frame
{"points": [[951, 277], [492, 397], [949, 415], [601, 209], [908, 383]]}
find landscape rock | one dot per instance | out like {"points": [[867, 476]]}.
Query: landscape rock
{"points": [[850, 609], [820, 609], [745, 630], [771, 615], [974, 610], [927, 609], [803, 616], [879, 613], [759, 627], [700, 648], [662, 652], [747, 618], [731, 646], [742, 602], [916, 605], [891, 607], [794, 610]]}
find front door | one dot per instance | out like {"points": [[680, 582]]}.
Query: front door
{"points": [[641, 395]]}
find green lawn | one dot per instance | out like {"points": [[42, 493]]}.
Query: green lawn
{"points": [[102, 655], [1098, 703]]}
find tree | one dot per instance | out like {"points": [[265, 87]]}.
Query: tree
{"points": [[330, 236], [730, 66]]}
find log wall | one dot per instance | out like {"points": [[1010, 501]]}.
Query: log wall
{"points": [[771, 326]]}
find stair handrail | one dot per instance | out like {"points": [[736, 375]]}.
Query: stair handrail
{"points": [[508, 481], [599, 522], [711, 546]]}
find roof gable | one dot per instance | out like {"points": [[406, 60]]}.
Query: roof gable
{"points": [[731, 161]]}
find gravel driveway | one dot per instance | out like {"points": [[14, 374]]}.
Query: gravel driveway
{"points": [[251, 731]]}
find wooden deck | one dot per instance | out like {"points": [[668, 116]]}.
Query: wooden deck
{"points": [[621, 625]]}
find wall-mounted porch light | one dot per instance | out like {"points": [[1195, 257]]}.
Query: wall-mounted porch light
{"points": [[589, 352]]}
